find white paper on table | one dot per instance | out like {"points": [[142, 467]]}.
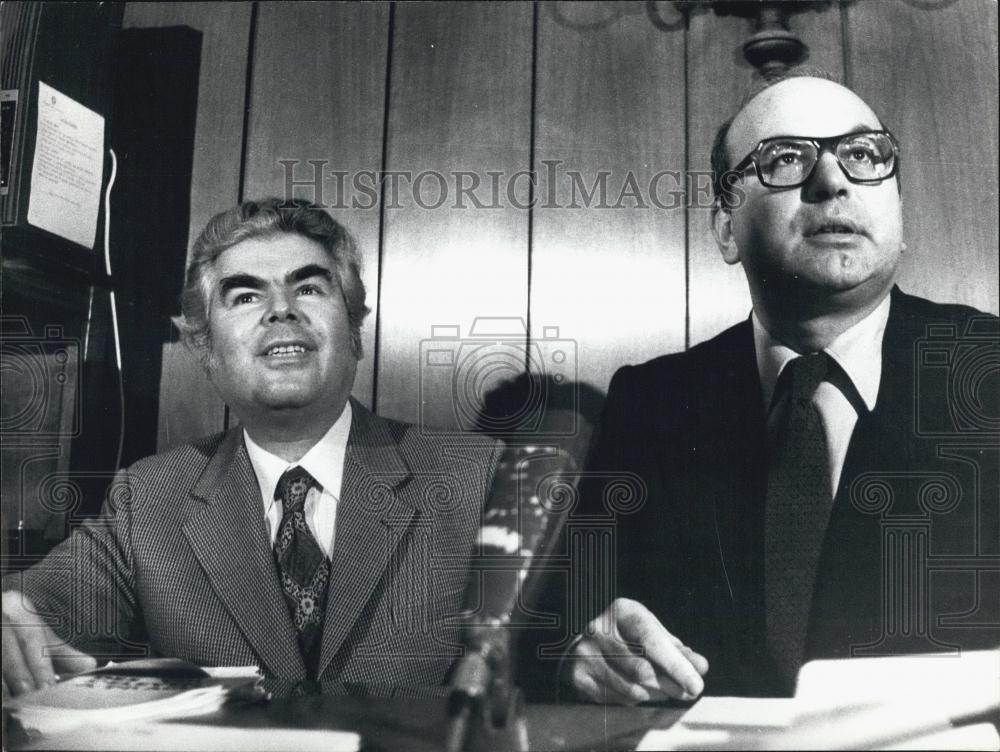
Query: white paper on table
{"points": [[748, 712], [680, 736], [853, 703], [979, 736], [881, 727], [68, 168], [231, 672], [953, 685], [724, 723], [163, 736]]}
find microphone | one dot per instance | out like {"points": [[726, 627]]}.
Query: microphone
{"points": [[533, 489]]}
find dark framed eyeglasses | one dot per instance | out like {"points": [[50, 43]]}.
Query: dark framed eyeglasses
{"points": [[865, 157]]}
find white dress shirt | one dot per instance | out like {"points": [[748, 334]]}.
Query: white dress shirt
{"points": [[324, 462], [858, 351]]}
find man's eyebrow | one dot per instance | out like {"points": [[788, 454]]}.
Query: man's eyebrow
{"points": [[240, 280], [859, 128], [308, 271]]}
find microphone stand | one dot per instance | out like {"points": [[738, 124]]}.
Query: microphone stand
{"points": [[485, 707], [523, 515]]}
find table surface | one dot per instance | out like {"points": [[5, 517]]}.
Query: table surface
{"points": [[421, 724]]}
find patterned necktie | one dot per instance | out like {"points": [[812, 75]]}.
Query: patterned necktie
{"points": [[796, 515], [303, 567]]}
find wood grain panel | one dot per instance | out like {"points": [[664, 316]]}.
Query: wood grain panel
{"points": [[319, 114], [942, 105], [188, 413], [718, 78], [189, 406], [610, 275], [460, 101]]}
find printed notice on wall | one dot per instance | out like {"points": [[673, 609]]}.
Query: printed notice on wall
{"points": [[67, 169]]}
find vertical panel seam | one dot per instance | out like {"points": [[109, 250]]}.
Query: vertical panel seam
{"points": [[845, 47], [687, 187], [390, 34], [247, 101], [532, 112], [245, 136]]}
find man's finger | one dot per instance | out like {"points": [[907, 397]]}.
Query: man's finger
{"points": [[35, 642], [69, 660], [673, 663], [609, 644], [16, 673], [699, 661], [668, 688], [638, 624], [639, 670], [633, 667], [658, 685], [611, 685], [584, 685]]}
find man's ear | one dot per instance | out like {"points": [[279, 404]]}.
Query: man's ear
{"points": [[722, 228]]}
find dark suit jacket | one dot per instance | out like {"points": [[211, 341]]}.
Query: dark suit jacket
{"points": [[691, 426], [179, 562]]}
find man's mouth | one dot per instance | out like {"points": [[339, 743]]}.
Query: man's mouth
{"points": [[285, 350], [835, 227]]}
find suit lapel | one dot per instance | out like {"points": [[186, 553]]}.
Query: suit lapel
{"points": [[732, 426], [229, 539], [373, 513]]}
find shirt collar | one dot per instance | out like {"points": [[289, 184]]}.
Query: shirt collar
{"points": [[858, 351], [324, 461]]}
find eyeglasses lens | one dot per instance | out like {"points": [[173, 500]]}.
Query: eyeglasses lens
{"points": [[786, 162], [864, 156]]}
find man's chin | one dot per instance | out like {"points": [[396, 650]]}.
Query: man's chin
{"points": [[837, 274], [283, 401], [850, 269], [825, 290]]}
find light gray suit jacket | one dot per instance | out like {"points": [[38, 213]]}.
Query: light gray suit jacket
{"points": [[179, 562]]}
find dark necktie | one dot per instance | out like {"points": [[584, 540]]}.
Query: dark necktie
{"points": [[303, 567], [797, 512]]}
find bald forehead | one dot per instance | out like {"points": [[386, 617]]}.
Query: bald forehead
{"points": [[803, 106]]}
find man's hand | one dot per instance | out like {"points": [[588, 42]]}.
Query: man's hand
{"points": [[32, 654], [604, 669]]}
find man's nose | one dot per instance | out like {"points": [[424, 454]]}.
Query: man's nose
{"points": [[827, 180], [282, 308]]}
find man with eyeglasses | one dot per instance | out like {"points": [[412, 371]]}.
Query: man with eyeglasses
{"points": [[794, 506]]}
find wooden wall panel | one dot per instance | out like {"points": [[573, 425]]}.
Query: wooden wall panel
{"points": [[931, 73], [460, 100], [327, 106], [188, 405], [718, 78], [610, 98], [613, 93]]}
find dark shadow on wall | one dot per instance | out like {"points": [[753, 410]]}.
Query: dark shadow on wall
{"points": [[538, 409]]}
